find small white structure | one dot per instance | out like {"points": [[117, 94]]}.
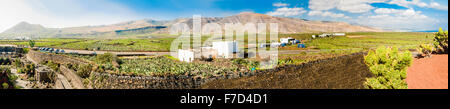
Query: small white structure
{"points": [[339, 34], [286, 40], [209, 52], [225, 49], [324, 35], [314, 36], [185, 55]]}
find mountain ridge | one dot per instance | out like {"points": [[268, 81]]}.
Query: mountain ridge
{"points": [[286, 26]]}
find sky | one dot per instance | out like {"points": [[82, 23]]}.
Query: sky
{"points": [[396, 15]]}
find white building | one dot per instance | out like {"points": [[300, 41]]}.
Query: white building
{"points": [[324, 35], [185, 55], [339, 34], [225, 49], [286, 40]]}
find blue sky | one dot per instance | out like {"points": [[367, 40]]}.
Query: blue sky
{"points": [[398, 15]]}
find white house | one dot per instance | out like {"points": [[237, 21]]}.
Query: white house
{"points": [[225, 48], [185, 55], [324, 35], [286, 40]]}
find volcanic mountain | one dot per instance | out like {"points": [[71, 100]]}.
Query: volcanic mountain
{"points": [[286, 26]]}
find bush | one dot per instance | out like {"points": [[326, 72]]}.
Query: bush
{"points": [[425, 50], [5, 85], [17, 63], [441, 41], [31, 43], [84, 70], [106, 58], [389, 67], [249, 64]]}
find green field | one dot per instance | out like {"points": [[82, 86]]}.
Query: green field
{"points": [[363, 40]]}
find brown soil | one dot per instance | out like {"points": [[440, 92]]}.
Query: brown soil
{"points": [[331, 73], [428, 73]]}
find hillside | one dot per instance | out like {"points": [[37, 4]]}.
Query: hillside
{"points": [[286, 26], [27, 28]]}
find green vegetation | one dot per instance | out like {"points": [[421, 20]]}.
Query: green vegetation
{"points": [[247, 63], [31, 43], [425, 50], [358, 40], [5, 85], [441, 41], [365, 41], [389, 67], [52, 65], [162, 65], [107, 61], [28, 69], [6, 78], [5, 61]]}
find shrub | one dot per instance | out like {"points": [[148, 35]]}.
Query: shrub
{"points": [[389, 67], [5, 85], [17, 63], [425, 50], [106, 58], [52, 65], [249, 64], [441, 41], [84, 70], [31, 43]]}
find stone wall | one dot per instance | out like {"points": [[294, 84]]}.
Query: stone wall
{"points": [[61, 59], [76, 81]]}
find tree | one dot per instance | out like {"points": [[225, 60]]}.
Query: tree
{"points": [[31, 43]]}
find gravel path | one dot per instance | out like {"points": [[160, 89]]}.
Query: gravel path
{"points": [[428, 73], [20, 82]]}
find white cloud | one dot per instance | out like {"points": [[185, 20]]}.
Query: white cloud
{"points": [[327, 14], [320, 5], [62, 13], [285, 11], [405, 3], [279, 4], [395, 19], [352, 6]]}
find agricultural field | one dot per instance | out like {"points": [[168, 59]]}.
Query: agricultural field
{"points": [[161, 43], [162, 65], [365, 41]]}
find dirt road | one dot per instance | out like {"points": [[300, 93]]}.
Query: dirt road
{"points": [[428, 73]]}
